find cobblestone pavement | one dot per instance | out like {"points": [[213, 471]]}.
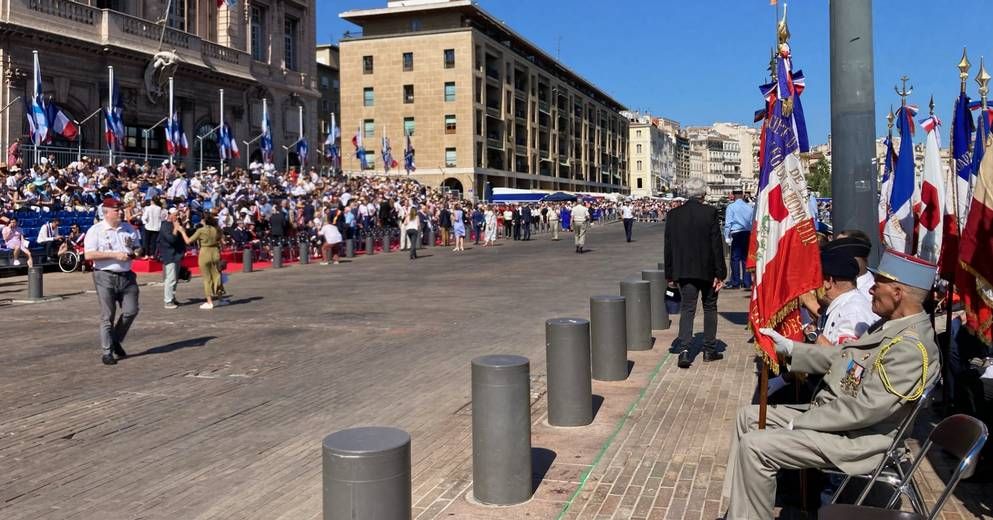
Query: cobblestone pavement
{"points": [[220, 414]]}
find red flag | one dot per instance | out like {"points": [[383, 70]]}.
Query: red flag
{"points": [[975, 275]]}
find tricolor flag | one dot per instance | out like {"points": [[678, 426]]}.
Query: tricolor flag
{"points": [[38, 120], [388, 161], [231, 3], [957, 196], [60, 123], [114, 120], [176, 143], [975, 276], [265, 142], [929, 231], [783, 251], [408, 156], [331, 144], [886, 187], [898, 232], [227, 143], [302, 151], [360, 153]]}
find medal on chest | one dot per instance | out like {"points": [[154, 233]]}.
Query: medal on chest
{"points": [[852, 380]]}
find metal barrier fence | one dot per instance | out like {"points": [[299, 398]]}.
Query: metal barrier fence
{"points": [[65, 155]]}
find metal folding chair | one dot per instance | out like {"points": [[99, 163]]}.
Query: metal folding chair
{"points": [[961, 436], [891, 470]]}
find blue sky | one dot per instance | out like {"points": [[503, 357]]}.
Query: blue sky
{"points": [[701, 61]]}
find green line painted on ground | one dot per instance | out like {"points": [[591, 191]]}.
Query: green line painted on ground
{"points": [[610, 440]]}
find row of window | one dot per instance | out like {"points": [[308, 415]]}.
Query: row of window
{"points": [[369, 94], [448, 55], [259, 38], [369, 126], [451, 157]]}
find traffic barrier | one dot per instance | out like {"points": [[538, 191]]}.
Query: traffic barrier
{"points": [[608, 338], [567, 357], [638, 313], [366, 474]]}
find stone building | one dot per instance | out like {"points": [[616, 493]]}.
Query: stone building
{"points": [[483, 104], [258, 49], [749, 141], [329, 85], [717, 159], [652, 154]]}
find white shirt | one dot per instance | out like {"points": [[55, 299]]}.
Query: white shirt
{"points": [[151, 217], [122, 239], [331, 234], [848, 317], [864, 283], [180, 189], [48, 233], [580, 214], [626, 211]]}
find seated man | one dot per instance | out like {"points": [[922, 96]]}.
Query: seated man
{"points": [[868, 388], [50, 237]]}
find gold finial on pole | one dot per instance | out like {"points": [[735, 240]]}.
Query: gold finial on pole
{"points": [[782, 30], [905, 91], [889, 121], [964, 69], [983, 78]]}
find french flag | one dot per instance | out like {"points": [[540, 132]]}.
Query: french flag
{"points": [[38, 116], [62, 124], [176, 143], [886, 189], [932, 193], [231, 3], [898, 233]]}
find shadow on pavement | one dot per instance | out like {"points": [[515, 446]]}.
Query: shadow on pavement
{"points": [[177, 345]]}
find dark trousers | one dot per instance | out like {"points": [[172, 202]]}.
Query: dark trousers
{"points": [[527, 231], [740, 277], [412, 240], [479, 232], [52, 249], [690, 289], [628, 228], [150, 243], [507, 228], [517, 230]]}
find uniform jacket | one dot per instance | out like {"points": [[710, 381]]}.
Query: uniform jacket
{"points": [[694, 246], [855, 424], [171, 246]]}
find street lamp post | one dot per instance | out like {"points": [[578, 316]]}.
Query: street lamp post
{"points": [[201, 138], [248, 148], [79, 128], [146, 131]]}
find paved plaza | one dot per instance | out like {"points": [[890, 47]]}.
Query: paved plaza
{"points": [[220, 414]]}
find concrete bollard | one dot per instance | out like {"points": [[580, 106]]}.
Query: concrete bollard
{"points": [[370, 245], [658, 286], [501, 429], [638, 313], [567, 356], [36, 289], [608, 338], [304, 253], [386, 243], [431, 237], [277, 257], [350, 248], [246, 260], [367, 474]]}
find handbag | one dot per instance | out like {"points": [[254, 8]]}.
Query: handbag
{"points": [[184, 273]]}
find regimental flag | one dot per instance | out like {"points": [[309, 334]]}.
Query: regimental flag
{"points": [[898, 233], [975, 276], [957, 188], [114, 120], [38, 120], [932, 194], [388, 160], [265, 141], [302, 150], [783, 251], [360, 152], [982, 131], [886, 187], [408, 155], [227, 143]]}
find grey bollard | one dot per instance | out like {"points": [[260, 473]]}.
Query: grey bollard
{"points": [[350, 248], [567, 356], [36, 290], [501, 429], [277, 257], [370, 245], [304, 253], [246, 260], [658, 286], [638, 313], [367, 474], [431, 237], [608, 338], [386, 243]]}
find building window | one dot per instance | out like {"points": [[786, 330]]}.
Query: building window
{"points": [[637, 147], [369, 128], [368, 97], [408, 94], [367, 64], [290, 43], [370, 159], [408, 126], [450, 91], [637, 133], [177, 16], [259, 47], [408, 61], [449, 58], [450, 157], [415, 25], [639, 178], [450, 126], [639, 169]]}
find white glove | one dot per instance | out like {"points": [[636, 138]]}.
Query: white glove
{"points": [[784, 345], [727, 240]]}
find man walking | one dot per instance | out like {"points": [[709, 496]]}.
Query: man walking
{"points": [[580, 217], [445, 223], [526, 221], [553, 217], [694, 259], [478, 220], [171, 248], [737, 231], [627, 213], [111, 244]]}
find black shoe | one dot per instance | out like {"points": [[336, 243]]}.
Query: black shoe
{"points": [[730, 286], [712, 356], [684, 359], [119, 352], [108, 359]]}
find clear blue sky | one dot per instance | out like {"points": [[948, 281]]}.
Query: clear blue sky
{"points": [[702, 61]]}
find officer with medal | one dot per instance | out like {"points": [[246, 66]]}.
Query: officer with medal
{"points": [[869, 386]]}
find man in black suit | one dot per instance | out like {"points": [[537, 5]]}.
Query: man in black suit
{"points": [[517, 223], [278, 226], [526, 220], [171, 247], [694, 259]]}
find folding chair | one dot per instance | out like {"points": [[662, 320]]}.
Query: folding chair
{"points": [[960, 435], [891, 470]]}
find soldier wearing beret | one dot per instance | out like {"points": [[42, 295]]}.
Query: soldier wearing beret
{"points": [[869, 386]]}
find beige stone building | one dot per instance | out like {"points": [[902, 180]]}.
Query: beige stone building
{"points": [[258, 49], [329, 85], [749, 139], [483, 104], [717, 159], [652, 154]]}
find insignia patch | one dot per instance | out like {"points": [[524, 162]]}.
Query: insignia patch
{"points": [[852, 381]]}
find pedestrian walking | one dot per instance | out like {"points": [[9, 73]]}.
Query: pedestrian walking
{"points": [[490, 219], [111, 245], [580, 218], [526, 222], [458, 228], [553, 217], [478, 222], [627, 214], [412, 226], [508, 222], [171, 248], [694, 260], [737, 232], [151, 220], [209, 237]]}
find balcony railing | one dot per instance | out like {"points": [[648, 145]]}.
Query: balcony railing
{"points": [[73, 11]]}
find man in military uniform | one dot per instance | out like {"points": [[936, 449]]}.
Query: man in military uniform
{"points": [[869, 386]]}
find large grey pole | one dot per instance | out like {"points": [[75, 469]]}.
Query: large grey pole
{"points": [[501, 429], [367, 474], [370, 246], [350, 248], [608, 338], [386, 242], [638, 310], [36, 289], [660, 315], [853, 120], [304, 252], [277, 257], [567, 355], [246, 260]]}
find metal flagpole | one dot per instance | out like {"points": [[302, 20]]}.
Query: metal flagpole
{"points": [[223, 135], [302, 160], [265, 115], [146, 131], [79, 138], [172, 122], [34, 81], [110, 108]]}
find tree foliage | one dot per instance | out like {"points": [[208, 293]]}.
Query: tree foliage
{"points": [[819, 178]]}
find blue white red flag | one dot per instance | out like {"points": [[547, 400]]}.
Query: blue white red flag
{"points": [[360, 152], [265, 142], [898, 234], [408, 156], [176, 143], [114, 120], [38, 116], [957, 195], [227, 143], [932, 195], [302, 151], [388, 161], [886, 186]]}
